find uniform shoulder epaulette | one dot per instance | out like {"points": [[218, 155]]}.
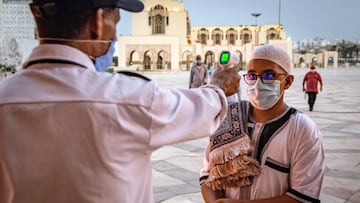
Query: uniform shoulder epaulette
{"points": [[133, 74]]}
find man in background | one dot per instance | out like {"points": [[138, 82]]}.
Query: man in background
{"points": [[310, 84], [198, 74]]}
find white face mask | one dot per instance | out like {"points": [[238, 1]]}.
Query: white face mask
{"points": [[264, 96]]}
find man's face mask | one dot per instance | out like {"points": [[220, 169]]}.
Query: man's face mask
{"points": [[103, 62]]}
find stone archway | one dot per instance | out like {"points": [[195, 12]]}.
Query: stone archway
{"points": [[147, 60], [133, 61], [330, 62], [203, 36], [314, 61], [162, 62], [302, 62], [186, 60], [242, 61], [134, 58], [330, 59], [209, 58]]}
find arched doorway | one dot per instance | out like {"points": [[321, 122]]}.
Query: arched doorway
{"points": [[187, 60], [134, 58], [160, 63], [147, 60], [330, 62], [209, 58], [241, 59], [302, 62], [314, 61]]}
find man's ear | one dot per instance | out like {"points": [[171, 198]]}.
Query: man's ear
{"points": [[96, 24], [288, 81]]}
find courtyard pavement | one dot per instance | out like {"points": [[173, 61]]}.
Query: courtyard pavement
{"points": [[337, 113]]}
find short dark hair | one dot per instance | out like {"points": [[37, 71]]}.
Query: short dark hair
{"points": [[63, 26], [67, 26]]}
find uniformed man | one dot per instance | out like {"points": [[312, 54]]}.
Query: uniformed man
{"points": [[71, 133]]}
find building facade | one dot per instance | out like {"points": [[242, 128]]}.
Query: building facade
{"points": [[315, 51], [17, 35], [324, 59], [163, 39]]}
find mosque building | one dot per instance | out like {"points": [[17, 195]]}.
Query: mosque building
{"points": [[163, 39]]}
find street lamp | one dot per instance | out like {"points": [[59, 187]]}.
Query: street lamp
{"points": [[279, 12], [256, 15], [256, 29], [279, 23]]}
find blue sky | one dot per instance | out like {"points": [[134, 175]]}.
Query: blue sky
{"points": [[328, 19]]}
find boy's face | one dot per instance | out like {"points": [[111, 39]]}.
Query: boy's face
{"points": [[261, 66]]}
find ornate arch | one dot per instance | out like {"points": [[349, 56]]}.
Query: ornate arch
{"points": [[271, 33], [162, 61], [148, 57], [203, 36], [217, 36], [187, 60], [242, 61], [246, 35], [209, 58], [158, 19], [231, 36]]}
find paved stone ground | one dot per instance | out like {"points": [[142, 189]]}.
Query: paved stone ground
{"points": [[337, 113]]}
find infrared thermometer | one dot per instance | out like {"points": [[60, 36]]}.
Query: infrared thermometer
{"points": [[229, 59]]}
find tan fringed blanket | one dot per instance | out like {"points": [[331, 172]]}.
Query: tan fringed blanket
{"points": [[230, 162]]}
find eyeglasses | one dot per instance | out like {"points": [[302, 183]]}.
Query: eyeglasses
{"points": [[266, 77]]}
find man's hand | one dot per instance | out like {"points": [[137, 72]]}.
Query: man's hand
{"points": [[227, 79]]}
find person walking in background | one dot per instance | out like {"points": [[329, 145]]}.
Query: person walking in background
{"points": [[72, 133], [212, 69], [198, 74], [310, 85], [265, 150]]}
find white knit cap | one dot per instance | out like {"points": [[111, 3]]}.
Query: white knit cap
{"points": [[274, 54]]}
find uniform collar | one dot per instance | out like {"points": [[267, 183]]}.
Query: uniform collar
{"points": [[59, 52]]}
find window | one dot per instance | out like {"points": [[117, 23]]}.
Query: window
{"points": [[217, 36], [159, 27], [231, 36], [203, 39], [271, 34], [203, 36], [158, 18], [246, 36]]}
